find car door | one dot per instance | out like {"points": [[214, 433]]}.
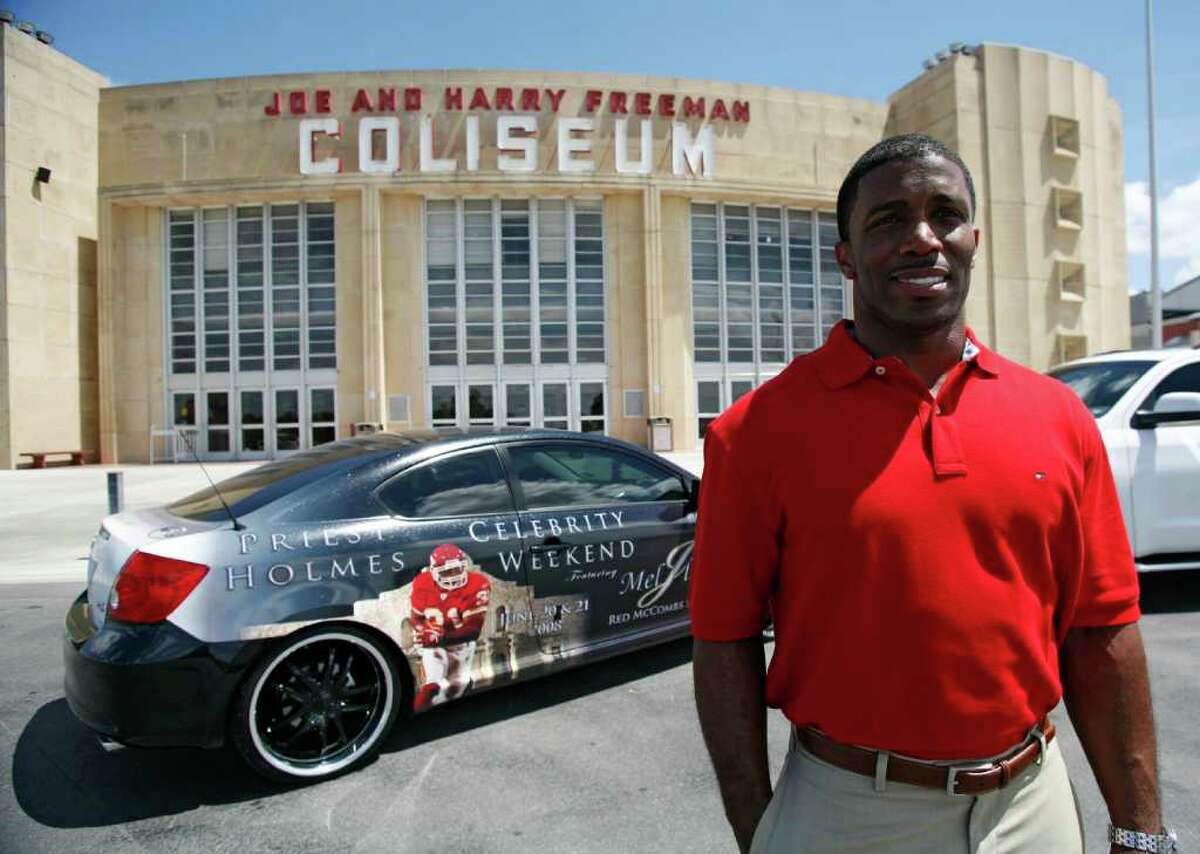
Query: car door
{"points": [[1166, 476], [608, 542], [458, 509]]}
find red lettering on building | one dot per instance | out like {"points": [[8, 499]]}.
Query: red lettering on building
{"points": [[741, 111], [362, 101], [616, 102], [479, 101], [453, 99], [412, 99], [555, 96], [531, 100], [693, 109], [641, 103], [592, 99], [666, 105], [272, 109], [323, 101], [386, 103], [298, 103], [504, 98], [719, 111]]}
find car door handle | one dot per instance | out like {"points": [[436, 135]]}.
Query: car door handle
{"points": [[550, 544]]}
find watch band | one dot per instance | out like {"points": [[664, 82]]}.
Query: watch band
{"points": [[1155, 843]]}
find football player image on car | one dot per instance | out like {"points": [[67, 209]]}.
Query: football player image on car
{"points": [[449, 606]]}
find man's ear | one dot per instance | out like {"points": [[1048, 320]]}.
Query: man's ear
{"points": [[845, 259]]}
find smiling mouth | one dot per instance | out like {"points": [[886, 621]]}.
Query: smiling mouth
{"points": [[927, 279]]}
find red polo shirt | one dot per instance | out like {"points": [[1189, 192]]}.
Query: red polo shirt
{"points": [[923, 558]]}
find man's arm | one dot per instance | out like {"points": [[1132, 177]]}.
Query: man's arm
{"points": [[1107, 691], [730, 680]]}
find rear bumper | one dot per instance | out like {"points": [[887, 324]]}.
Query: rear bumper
{"points": [[152, 685]]}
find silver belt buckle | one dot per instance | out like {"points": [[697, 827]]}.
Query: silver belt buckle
{"points": [[952, 772]]}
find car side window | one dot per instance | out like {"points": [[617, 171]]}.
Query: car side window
{"points": [[564, 476], [462, 485], [1186, 378]]}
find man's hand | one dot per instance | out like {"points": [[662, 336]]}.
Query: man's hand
{"points": [[730, 682], [1107, 691]]}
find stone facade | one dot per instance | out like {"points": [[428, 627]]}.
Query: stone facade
{"points": [[49, 397], [1040, 133]]}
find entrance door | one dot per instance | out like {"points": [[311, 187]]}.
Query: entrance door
{"points": [[555, 412], [481, 405], [252, 437], [217, 440], [518, 405], [286, 436]]}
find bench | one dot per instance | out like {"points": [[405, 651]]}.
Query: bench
{"points": [[39, 457]]}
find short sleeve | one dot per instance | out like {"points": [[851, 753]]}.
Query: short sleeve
{"points": [[1108, 594], [736, 555]]}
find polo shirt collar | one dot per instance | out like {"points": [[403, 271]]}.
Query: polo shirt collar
{"points": [[844, 360]]}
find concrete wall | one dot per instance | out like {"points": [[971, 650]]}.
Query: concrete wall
{"points": [[995, 108], [48, 335]]}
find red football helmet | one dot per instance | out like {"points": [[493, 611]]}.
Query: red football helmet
{"points": [[449, 566]]}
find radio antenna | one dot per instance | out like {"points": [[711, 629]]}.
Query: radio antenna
{"points": [[191, 446]]}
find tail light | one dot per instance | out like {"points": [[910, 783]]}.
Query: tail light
{"points": [[150, 587]]}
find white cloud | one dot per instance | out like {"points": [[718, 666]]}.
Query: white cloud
{"points": [[1178, 228]]}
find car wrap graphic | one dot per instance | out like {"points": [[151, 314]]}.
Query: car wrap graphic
{"points": [[476, 610]]}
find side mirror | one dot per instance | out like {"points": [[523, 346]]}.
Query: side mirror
{"points": [[1172, 408], [693, 499]]}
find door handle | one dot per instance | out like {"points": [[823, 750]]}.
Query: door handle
{"points": [[550, 544]]}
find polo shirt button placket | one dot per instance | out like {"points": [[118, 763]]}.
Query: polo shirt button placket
{"points": [[880, 370]]}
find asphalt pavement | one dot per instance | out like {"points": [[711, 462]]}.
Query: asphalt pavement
{"points": [[604, 758]]}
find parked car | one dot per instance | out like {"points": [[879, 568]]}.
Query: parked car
{"points": [[1147, 405], [298, 609]]}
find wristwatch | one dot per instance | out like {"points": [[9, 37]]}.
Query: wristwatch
{"points": [[1156, 843]]}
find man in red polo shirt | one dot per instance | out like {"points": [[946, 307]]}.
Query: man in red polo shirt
{"points": [[936, 534]]}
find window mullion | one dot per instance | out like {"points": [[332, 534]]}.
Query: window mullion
{"points": [[535, 291], [460, 287], [302, 251], [722, 308], [572, 355], [818, 313], [785, 241], [755, 314]]}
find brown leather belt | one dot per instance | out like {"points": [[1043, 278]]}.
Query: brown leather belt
{"points": [[954, 779]]}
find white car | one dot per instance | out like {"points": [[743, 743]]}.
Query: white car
{"points": [[1147, 405]]}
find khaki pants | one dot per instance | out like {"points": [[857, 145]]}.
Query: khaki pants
{"points": [[818, 807]]}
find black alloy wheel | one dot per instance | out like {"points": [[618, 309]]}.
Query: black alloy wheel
{"points": [[318, 706]]}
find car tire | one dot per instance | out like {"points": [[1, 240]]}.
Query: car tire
{"points": [[319, 704]]}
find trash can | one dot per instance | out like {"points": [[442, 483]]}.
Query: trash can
{"points": [[660, 433]]}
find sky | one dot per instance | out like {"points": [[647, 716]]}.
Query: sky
{"points": [[857, 48]]}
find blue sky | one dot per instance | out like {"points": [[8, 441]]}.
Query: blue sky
{"points": [[859, 48]]}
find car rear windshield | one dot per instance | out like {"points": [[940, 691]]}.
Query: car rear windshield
{"points": [[252, 489], [1101, 384]]}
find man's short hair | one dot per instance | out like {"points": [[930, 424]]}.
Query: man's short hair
{"points": [[908, 146]]}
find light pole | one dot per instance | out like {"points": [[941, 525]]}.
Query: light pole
{"points": [[1156, 331]]}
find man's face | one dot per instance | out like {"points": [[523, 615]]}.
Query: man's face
{"points": [[911, 244]]}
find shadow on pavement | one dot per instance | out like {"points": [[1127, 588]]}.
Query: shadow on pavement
{"points": [[1170, 592], [63, 778]]}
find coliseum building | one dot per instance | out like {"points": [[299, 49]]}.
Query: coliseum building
{"points": [[269, 263]]}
